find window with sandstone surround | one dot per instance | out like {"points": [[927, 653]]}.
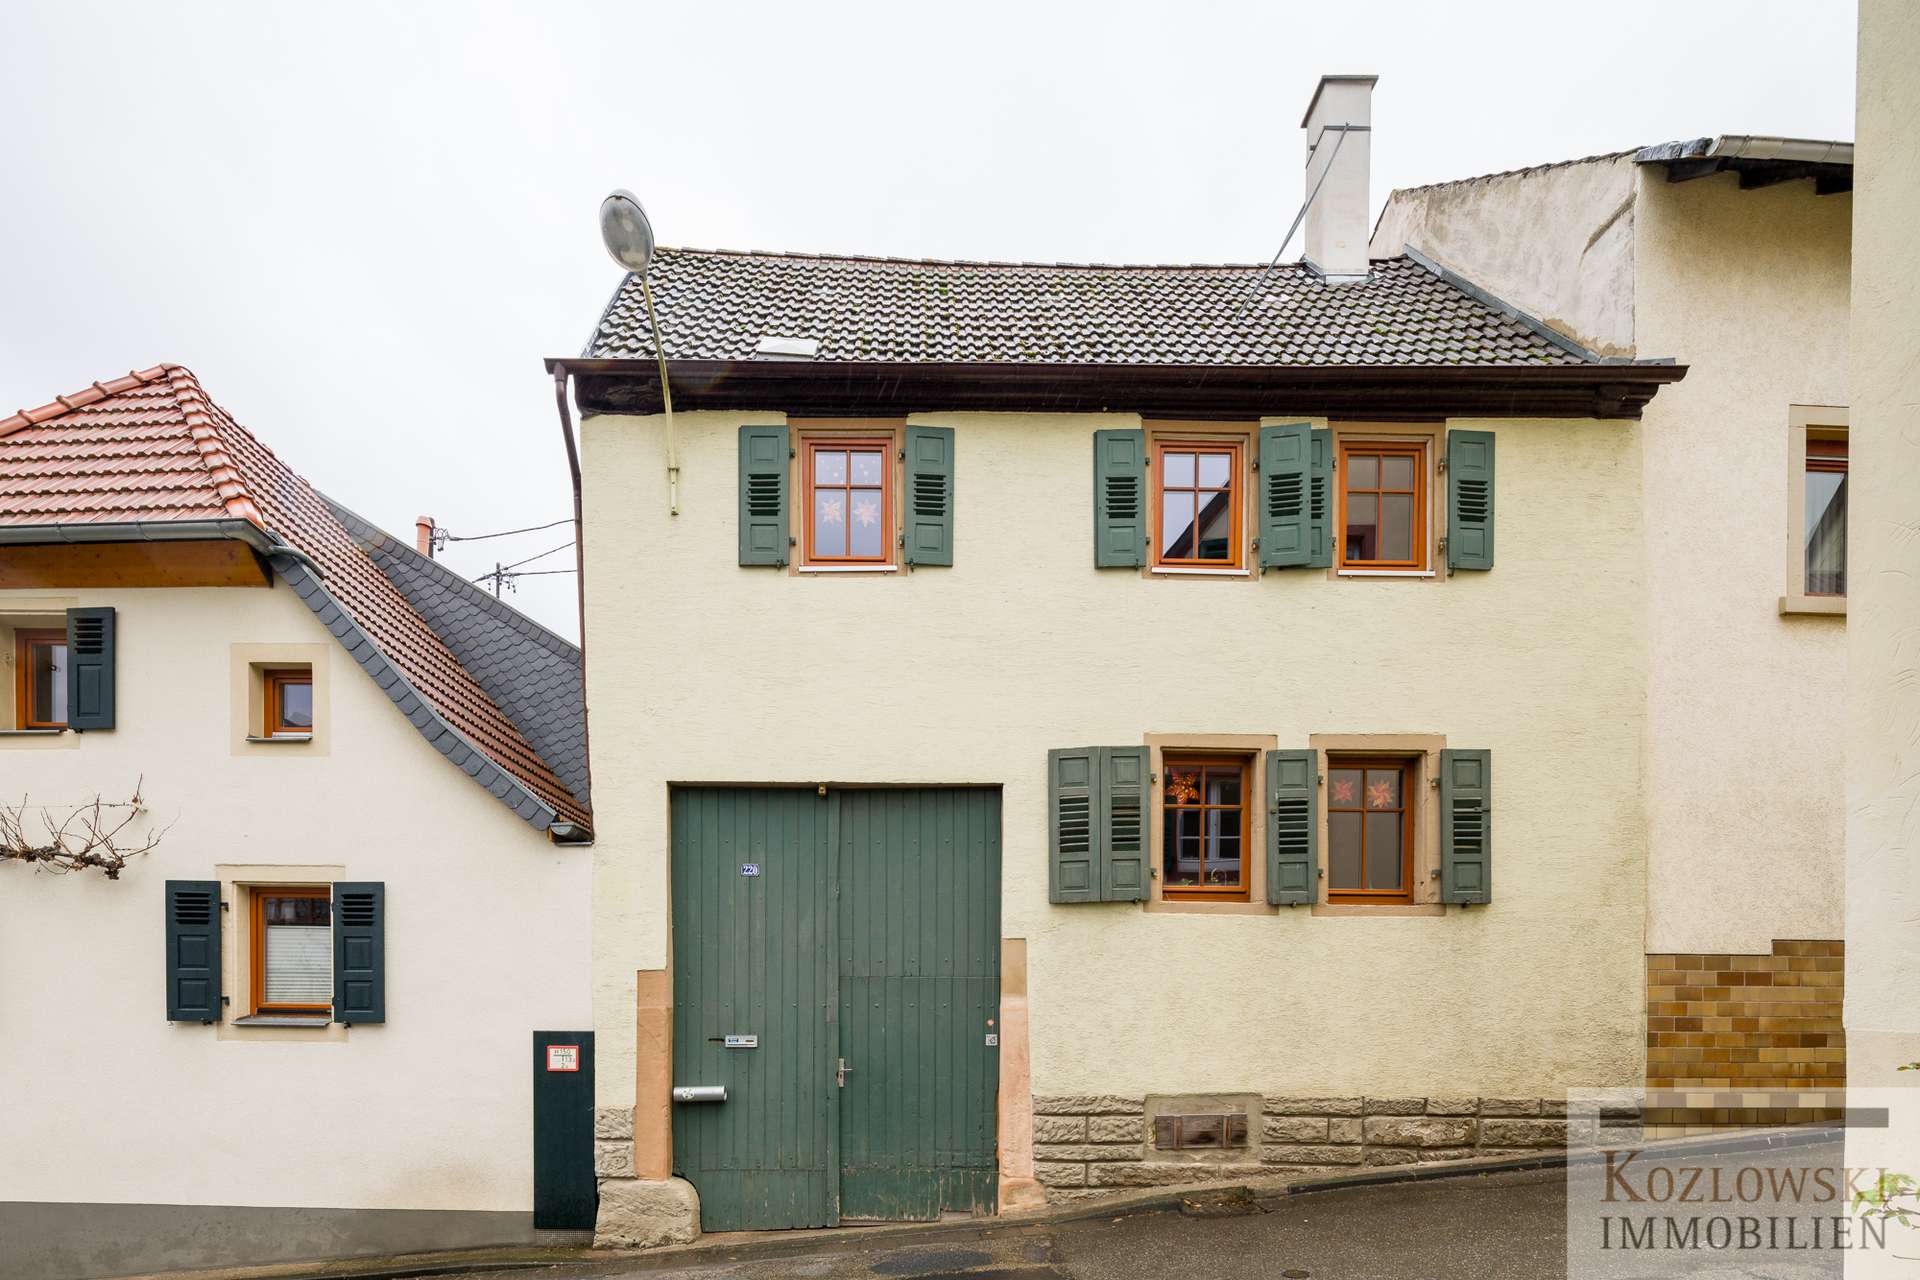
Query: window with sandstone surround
{"points": [[1205, 828], [1197, 504], [848, 500], [40, 679], [1371, 803], [1382, 514]]}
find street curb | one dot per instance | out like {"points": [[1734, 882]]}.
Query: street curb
{"points": [[753, 1246]]}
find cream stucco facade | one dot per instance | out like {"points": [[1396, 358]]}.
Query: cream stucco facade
{"points": [[487, 939], [1749, 289], [700, 670]]}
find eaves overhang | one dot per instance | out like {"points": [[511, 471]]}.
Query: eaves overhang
{"points": [[822, 388], [1758, 160]]}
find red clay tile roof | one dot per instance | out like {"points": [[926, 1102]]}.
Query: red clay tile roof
{"points": [[152, 447]]}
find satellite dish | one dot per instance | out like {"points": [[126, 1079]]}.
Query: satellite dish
{"points": [[626, 231]]}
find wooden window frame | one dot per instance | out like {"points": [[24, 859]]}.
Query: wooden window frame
{"points": [[1242, 892], [1236, 499], [1824, 454], [1409, 769], [889, 533], [1422, 521], [258, 895], [26, 640], [272, 683]]}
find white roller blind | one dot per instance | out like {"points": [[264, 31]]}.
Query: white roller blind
{"points": [[299, 964]]}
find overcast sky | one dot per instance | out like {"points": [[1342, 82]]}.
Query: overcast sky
{"points": [[363, 227]]}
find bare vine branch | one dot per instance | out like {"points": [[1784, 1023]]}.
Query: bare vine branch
{"points": [[77, 836]]}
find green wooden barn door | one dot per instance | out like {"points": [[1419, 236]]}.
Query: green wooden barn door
{"points": [[919, 974], [753, 956]]}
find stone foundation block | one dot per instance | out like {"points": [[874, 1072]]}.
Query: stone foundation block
{"points": [[1295, 1129], [1059, 1128], [1396, 1106], [639, 1215], [1089, 1105], [1378, 1156], [613, 1159], [1156, 1175], [1086, 1151], [1060, 1174], [1281, 1153], [1509, 1106], [1314, 1106], [1523, 1133], [1343, 1129], [1116, 1129], [1452, 1106], [1431, 1131], [613, 1122]]}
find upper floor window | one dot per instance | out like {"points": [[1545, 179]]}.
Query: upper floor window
{"points": [[1204, 808], [1370, 829], [1383, 505], [289, 702], [848, 501], [40, 679], [1825, 541], [1197, 504], [292, 950]]}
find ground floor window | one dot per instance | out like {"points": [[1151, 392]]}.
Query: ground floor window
{"points": [[1370, 829], [40, 692], [292, 950], [1204, 802]]}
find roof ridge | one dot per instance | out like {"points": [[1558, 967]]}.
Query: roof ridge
{"points": [[91, 394], [205, 432], [466, 586], [797, 255]]}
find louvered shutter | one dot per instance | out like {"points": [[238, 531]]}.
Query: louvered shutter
{"points": [[90, 654], [1293, 827], [1286, 465], [1320, 501], [359, 951], [764, 471], [1466, 826], [193, 950], [1073, 864], [929, 523], [1470, 499], [1119, 499], [1123, 824]]}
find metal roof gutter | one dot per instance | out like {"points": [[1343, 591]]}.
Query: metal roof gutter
{"points": [[1744, 146]]}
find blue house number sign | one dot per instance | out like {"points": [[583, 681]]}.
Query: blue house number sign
{"points": [[749, 868]]}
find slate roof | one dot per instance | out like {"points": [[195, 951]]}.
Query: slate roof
{"points": [[719, 304], [531, 674], [151, 447]]}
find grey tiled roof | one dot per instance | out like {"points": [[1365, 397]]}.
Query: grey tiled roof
{"points": [[531, 674], [718, 305]]}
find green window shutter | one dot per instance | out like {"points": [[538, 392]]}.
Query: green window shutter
{"points": [[90, 646], [1123, 824], [1073, 786], [929, 528], [359, 951], [1119, 498], [1470, 499], [1466, 826], [1286, 454], [193, 951], [1293, 827], [1320, 501], [763, 495]]}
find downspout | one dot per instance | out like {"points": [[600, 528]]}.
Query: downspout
{"points": [[560, 375]]}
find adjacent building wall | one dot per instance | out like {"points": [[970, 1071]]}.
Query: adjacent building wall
{"points": [[171, 1145], [704, 671]]}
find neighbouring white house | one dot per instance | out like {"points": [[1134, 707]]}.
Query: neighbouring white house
{"points": [[337, 1004]]}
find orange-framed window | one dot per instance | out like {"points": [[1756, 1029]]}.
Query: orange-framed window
{"points": [[848, 499], [40, 679], [289, 702], [1370, 816], [292, 949], [1205, 828], [1826, 532], [1383, 505], [1197, 504]]}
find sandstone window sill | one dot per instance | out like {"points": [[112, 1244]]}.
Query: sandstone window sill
{"points": [[1813, 606], [1415, 910]]}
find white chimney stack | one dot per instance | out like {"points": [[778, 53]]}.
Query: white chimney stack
{"points": [[1339, 125]]}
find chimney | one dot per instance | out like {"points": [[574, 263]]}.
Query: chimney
{"points": [[423, 536], [1339, 123]]}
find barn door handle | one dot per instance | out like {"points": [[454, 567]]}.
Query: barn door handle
{"points": [[840, 1073]]}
